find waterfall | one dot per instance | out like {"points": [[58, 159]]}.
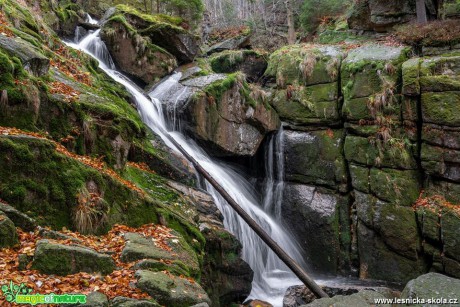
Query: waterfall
{"points": [[271, 276]]}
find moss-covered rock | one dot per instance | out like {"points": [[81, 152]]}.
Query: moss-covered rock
{"points": [[18, 218], [136, 55], [395, 186], [170, 290], [230, 117], [397, 153], [432, 285], [251, 63], [304, 65], [441, 162], [162, 30], [8, 234], [441, 108], [130, 302], [315, 158], [52, 258], [363, 298]]}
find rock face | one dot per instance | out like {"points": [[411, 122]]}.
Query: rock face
{"points": [[52, 258], [169, 290], [350, 189], [307, 84], [157, 42], [380, 15], [8, 234], [223, 112]]}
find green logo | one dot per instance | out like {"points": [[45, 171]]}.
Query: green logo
{"points": [[21, 294]]}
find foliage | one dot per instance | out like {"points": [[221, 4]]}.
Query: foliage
{"points": [[314, 12], [436, 33]]}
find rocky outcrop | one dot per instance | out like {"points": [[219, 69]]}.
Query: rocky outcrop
{"points": [[233, 43], [52, 258], [222, 111], [381, 16], [355, 185], [157, 40]]}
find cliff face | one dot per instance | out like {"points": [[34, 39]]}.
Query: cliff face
{"points": [[370, 157]]}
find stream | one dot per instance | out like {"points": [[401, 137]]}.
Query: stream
{"points": [[271, 275]]}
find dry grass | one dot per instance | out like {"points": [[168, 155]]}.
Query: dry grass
{"points": [[435, 33]]}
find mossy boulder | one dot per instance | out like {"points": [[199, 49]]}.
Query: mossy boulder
{"points": [[8, 234], [315, 158], [96, 299], [139, 247], [135, 54], [170, 290], [401, 187], [59, 259], [432, 285], [161, 30], [20, 219], [251, 63], [120, 301]]}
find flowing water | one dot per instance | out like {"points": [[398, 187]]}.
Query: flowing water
{"points": [[271, 276]]}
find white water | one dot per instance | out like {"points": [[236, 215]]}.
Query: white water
{"points": [[271, 276]]}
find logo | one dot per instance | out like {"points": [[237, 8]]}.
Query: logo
{"points": [[21, 294]]}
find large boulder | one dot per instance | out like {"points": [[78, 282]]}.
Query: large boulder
{"points": [[171, 290], [136, 55], [161, 30], [8, 234], [250, 62], [363, 298], [432, 286], [53, 258], [230, 117]]}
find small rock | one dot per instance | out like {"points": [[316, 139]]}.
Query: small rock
{"points": [[96, 299], [51, 234], [129, 302], [23, 261]]}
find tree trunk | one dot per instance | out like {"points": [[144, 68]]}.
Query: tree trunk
{"points": [[421, 12], [290, 21]]}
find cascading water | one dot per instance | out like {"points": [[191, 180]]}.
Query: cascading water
{"points": [[271, 276]]}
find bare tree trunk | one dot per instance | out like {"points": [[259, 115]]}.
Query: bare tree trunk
{"points": [[421, 12], [158, 6], [290, 21]]}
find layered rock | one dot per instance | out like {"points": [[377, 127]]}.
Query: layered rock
{"points": [[252, 63]]}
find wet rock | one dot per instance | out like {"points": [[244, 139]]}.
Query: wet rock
{"points": [[315, 157], [298, 295], [32, 60], [432, 285], [135, 55], [52, 258], [169, 290], [225, 277], [163, 32], [8, 234], [18, 218], [226, 118], [313, 215]]}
